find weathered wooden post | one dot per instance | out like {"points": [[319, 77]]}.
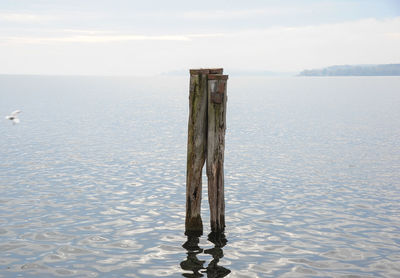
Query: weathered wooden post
{"points": [[215, 149], [196, 149], [206, 132]]}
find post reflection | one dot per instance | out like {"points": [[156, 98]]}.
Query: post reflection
{"points": [[213, 269], [192, 263], [196, 266]]}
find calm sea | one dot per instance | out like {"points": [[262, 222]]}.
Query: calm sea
{"points": [[92, 181]]}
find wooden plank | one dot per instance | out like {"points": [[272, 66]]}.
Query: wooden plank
{"points": [[217, 77], [210, 71], [216, 71], [199, 71]]}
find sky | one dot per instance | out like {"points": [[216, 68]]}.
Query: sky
{"points": [[129, 37]]}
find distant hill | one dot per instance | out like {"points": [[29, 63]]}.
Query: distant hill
{"points": [[355, 70]]}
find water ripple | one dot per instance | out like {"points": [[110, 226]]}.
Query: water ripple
{"points": [[312, 181]]}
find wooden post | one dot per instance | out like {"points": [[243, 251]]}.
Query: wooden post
{"points": [[217, 98], [196, 149], [197, 146]]}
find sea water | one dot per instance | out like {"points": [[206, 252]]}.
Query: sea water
{"points": [[92, 180]]}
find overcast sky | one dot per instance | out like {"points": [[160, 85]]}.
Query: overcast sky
{"points": [[128, 37]]}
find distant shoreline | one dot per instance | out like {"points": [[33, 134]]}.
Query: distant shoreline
{"points": [[337, 70], [355, 70]]}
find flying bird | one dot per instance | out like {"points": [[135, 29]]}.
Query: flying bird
{"points": [[14, 117]]}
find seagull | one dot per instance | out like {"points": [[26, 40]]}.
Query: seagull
{"points": [[14, 117]]}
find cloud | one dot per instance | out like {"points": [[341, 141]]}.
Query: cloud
{"points": [[93, 38], [25, 17], [366, 41], [394, 35], [86, 51], [99, 36], [242, 14]]}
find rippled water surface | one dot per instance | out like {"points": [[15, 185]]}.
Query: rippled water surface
{"points": [[92, 180]]}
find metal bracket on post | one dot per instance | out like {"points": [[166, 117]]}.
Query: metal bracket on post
{"points": [[218, 95]]}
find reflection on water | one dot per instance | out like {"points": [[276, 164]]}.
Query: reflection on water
{"points": [[192, 263], [213, 269], [196, 266]]}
